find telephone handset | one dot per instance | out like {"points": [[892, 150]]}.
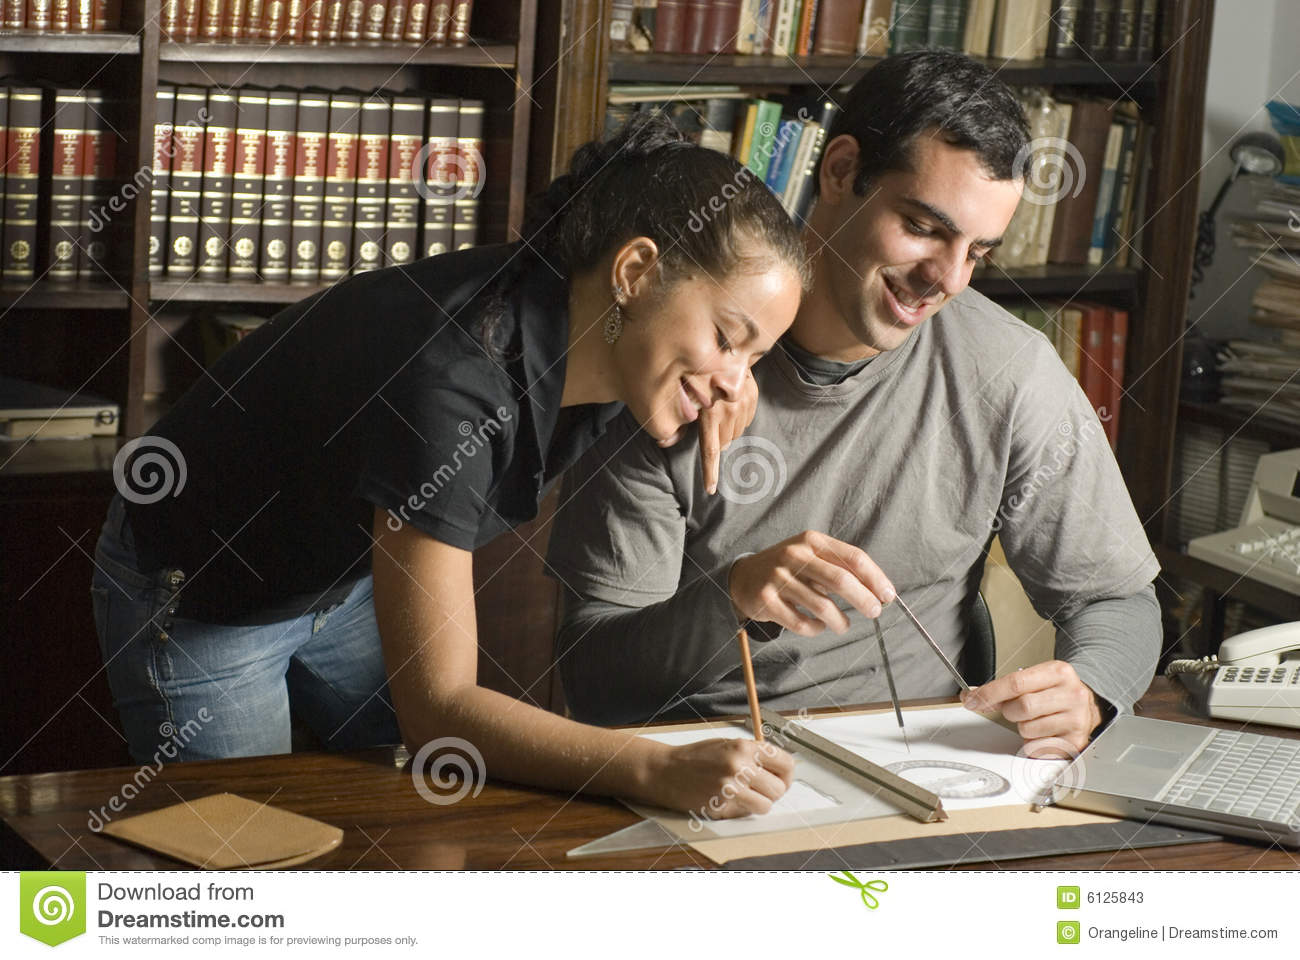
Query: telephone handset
{"points": [[1258, 679]]}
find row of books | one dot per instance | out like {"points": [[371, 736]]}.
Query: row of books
{"points": [[779, 140], [1091, 339], [1009, 29], [317, 21], [59, 154], [276, 186], [1083, 197], [62, 16]]}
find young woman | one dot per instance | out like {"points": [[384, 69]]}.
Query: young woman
{"points": [[327, 480]]}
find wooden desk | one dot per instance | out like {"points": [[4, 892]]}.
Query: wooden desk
{"points": [[388, 826]]}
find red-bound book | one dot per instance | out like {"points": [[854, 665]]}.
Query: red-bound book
{"points": [[354, 18], [210, 18], [417, 21], [22, 183], [253, 12], [340, 187], [806, 18], [83, 16], [440, 176], [396, 24], [189, 25], [335, 13], [160, 180], [313, 30], [837, 27], [15, 15], [310, 155], [469, 170], [67, 125], [277, 186], [402, 216], [234, 19], [40, 14], [274, 20], [721, 25], [186, 182], [372, 184], [101, 223], [61, 16], [439, 21], [295, 21], [1118, 354], [246, 185], [106, 15], [372, 27], [461, 11], [169, 20], [218, 175], [1094, 360], [697, 22]]}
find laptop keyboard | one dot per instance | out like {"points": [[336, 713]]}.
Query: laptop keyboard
{"points": [[1243, 774]]}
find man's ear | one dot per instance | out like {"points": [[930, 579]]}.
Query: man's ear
{"points": [[632, 269], [838, 170]]}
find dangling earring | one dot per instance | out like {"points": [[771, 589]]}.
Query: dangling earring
{"points": [[614, 319]]}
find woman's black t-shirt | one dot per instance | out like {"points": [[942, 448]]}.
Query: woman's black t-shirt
{"points": [[376, 392]]}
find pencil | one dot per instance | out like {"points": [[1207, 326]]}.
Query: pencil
{"points": [[748, 666]]}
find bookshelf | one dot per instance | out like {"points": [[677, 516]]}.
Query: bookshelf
{"points": [[577, 65]]}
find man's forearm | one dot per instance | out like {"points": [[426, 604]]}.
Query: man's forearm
{"points": [[625, 664], [1114, 645]]}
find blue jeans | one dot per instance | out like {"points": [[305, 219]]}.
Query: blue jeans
{"points": [[203, 691]]}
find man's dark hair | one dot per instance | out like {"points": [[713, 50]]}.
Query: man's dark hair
{"points": [[908, 96]]}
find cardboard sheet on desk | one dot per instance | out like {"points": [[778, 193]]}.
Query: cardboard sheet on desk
{"points": [[225, 831], [975, 819]]}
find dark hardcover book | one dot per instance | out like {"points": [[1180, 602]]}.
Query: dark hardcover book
{"points": [[83, 16], [107, 15], [721, 24], [210, 18], [277, 186], [372, 184], [354, 17], [946, 28], [1123, 31], [104, 214], [40, 14], [15, 14], [62, 219], [395, 24], [910, 26], [417, 22], [803, 198], [334, 16], [189, 20], [313, 17], [1072, 224], [234, 20], [458, 31], [1146, 31], [247, 186], [670, 26], [22, 183], [186, 182], [1063, 30], [469, 179], [402, 216], [310, 155], [218, 184], [439, 23], [60, 16], [372, 25], [275, 19], [253, 11], [160, 180], [169, 20], [696, 22], [440, 176], [295, 21], [1098, 19], [837, 26], [340, 186]]}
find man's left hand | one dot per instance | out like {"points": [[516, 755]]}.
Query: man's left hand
{"points": [[722, 423], [1052, 708]]}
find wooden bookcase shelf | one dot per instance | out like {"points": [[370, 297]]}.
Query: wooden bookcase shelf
{"points": [[1053, 280], [476, 54], [192, 291], [83, 295], [111, 44]]}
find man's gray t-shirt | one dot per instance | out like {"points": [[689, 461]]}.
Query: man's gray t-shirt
{"points": [[972, 427]]}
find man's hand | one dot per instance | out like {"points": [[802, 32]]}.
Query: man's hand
{"points": [[1053, 709], [722, 423], [807, 571]]}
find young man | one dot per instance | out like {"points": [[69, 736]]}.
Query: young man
{"points": [[902, 422]]}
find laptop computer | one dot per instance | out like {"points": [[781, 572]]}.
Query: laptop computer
{"points": [[1225, 781]]}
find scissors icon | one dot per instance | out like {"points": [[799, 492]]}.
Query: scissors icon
{"points": [[868, 898]]}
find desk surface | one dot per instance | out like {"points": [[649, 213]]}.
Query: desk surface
{"points": [[388, 826]]}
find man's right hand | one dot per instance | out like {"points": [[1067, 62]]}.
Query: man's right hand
{"points": [[794, 583]]}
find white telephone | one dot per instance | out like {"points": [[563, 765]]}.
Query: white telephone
{"points": [[1258, 677]]}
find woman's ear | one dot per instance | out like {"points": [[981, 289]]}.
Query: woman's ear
{"points": [[838, 170], [632, 270]]}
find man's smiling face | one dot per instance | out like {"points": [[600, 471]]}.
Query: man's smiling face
{"points": [[894, 256]]}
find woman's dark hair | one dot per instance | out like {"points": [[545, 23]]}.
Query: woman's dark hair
{"points": [[909, 95], [703, 209]]}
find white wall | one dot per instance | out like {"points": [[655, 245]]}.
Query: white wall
{"points": [[1254, 58]]}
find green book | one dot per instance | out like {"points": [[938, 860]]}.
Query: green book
{"points": [[909, 27], [946, 29], [766, 121]]}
